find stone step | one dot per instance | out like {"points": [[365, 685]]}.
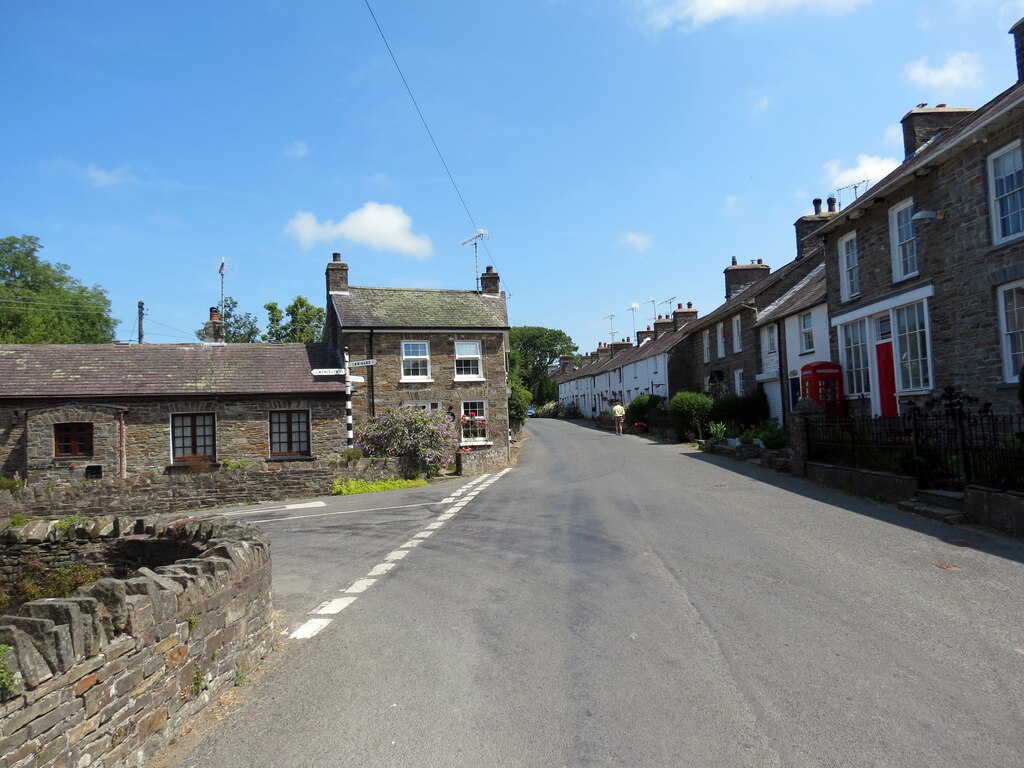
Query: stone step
{"points": [[934, 511], [948, 499]]}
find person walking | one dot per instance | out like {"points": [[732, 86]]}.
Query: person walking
{"points": [[618, 416]]}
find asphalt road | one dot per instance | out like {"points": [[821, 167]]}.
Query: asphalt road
{"points": [[615, 601]]}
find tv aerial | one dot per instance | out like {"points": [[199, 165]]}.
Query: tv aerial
{"points": [[475, 238]]}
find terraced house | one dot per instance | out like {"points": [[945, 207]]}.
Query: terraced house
{"points": [[926, 268]]}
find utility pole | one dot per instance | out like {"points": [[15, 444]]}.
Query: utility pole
{"points": [[142, 314]]}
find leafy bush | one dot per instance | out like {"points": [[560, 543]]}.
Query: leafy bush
{"points": [[430, 438], [690, 411], [518, 401], [717, 428], [773, 434], [10, 484], [741, 410], [639, 409], [348, 487], [229, 464], [549, 410]]}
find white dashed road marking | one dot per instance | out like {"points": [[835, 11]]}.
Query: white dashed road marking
{"points": [[333, 607]]}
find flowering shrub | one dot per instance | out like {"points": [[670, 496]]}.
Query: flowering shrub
{"points": [[428, 437]]}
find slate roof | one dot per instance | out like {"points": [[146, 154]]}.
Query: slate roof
{"points": [[119, 370], [806, 294], [932, 153], [663, 343], [378, 308]]}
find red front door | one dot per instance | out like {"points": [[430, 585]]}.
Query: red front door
{"points": [[886, 379]]}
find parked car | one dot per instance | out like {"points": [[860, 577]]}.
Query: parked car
{"points": [[531, 411]]}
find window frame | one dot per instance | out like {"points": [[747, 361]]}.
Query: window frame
{"points": [[290, 439], [849, 274], [78, 444], [415, 358], [806, 320], [737, 334], [737, 381], [478, 358], [900, 248], [771, 335], [993, 200], [720, 336], [707, 345], [1011, 372], [902, 343], [181, 458], [477, 426], [423, 405], [861, 373]]}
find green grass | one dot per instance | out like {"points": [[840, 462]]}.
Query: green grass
{"points": [[348, 487]]}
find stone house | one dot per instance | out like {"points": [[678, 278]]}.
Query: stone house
{"points": [[925, 270], [73, 411], [435, 349]]}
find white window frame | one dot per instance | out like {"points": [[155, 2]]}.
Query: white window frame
{"points": [[473, 430], [737, 381], [912, 350], [737, 334], [849, 267], [720, 335], [1011, 366], [856, 372], [422, 405], [1014, 196], [477, 356], [707, 345], [415, 357], [806, 332], [771, 338], [905, 262]]}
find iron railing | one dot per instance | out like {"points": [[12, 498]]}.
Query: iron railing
{"points": [[942, 447]]}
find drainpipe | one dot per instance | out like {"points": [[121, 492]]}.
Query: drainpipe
{"points": [[122, 463], [24, 448], [373, 405]]}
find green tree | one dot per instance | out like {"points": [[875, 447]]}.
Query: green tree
{"points": [[40, 303], [304, 323], [533, 349]]}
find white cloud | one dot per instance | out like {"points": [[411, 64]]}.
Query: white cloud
{"points": [[382, 227], [961, 72], [893, 136], [296, 150], [99, 177], [661, 14], [758, 101], [635, 239], [868, 168]]}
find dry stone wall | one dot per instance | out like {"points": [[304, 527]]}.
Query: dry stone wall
{"points": [[106, 677]]}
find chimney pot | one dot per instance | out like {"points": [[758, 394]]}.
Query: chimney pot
{"points": [[760, 261], [679, 305], [831, 204], [489, 270], [335, 257], [817, 206], [689, 305], [734, 261]]}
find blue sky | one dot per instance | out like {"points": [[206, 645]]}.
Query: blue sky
{"points": [[617, 151]]}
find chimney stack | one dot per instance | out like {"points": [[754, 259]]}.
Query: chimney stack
{"points": [[662, 326], [565, 363], [923, 124], [683, 316], [214, 328], [805, 225], [740, 276], [337, 275], [1017, 30], [490, 282], [642, 336]]}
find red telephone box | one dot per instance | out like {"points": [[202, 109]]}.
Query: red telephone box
{"points": [[823, 383]]}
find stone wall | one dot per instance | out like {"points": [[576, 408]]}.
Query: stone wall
{"points": [[144, 437], [881, 486], [1003, 511], [109, 675], [151, 494]]}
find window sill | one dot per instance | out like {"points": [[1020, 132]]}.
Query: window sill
{"points": [[405, 380], [470, 378], [487, 444], [913, 392], [808, 352], [296, 457], [1003, 243], [1008, 385], [904, 278]]}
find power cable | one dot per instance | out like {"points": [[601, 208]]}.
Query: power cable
{"points": [[426, 127]]}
